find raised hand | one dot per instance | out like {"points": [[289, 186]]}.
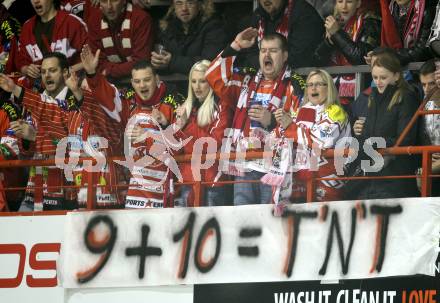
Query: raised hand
{"points": [[32, 71], [181, 116], [162, 60], [72, 81], [331, 25], [368, 58], [159, 117], [89, 61], [6, 83], [73, 84], [245, 39]]}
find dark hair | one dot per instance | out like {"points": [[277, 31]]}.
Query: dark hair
{"points": [[57, 4], [383, 50], [428, 67], [62, 59], [279, 37], [143, 64]]}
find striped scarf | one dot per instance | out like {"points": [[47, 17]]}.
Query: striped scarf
{"points": [[347, 83], [283, 27], [249, 92], [413, 23], [435, 30], [107, 41]]}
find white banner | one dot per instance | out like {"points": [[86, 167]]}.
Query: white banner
{"points": [[317, 241], [29, 250]]}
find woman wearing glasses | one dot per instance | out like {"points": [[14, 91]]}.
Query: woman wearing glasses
{"points": [[203, 117], [317, 125], [189, 32]]}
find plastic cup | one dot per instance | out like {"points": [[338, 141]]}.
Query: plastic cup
{"points": [[159, 48]]}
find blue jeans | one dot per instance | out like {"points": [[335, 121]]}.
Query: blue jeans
{"points": [[252, 193], [213, 196]]}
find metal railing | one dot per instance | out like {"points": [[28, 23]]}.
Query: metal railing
{"points": [[357, 70], [425, 151]]}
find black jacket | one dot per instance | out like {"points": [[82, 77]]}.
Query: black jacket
{"points": [[205, 39], [419, 52], [305, 33], [353, 51], [389, 124]]}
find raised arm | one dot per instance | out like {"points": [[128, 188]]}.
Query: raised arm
{"points": [[220, 75]]}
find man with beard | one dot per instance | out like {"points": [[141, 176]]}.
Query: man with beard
{"points": [[258, 97], [296, 20], [123, 33]]}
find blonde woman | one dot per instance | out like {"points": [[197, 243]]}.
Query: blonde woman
{"points": [[319, 123], [202, 115]]}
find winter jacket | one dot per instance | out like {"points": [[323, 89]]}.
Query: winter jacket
{"points": [[205, 39], [306, 29], [353, 51], [419, 52], [389, 124]]}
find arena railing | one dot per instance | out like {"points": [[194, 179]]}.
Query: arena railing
{"points": [[425, 151], [359, 72]]}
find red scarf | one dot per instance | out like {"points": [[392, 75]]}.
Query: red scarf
{"points": [[155, 99], [248, 93], [124, 33], [283, 27], [389, 36], [413, 22], [352, 28], [347, 83]]}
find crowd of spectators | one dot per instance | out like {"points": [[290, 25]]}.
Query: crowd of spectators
{"points": [[83, 78]]}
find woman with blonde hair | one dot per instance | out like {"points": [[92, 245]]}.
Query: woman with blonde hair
{"points": [[391, 106], [317, 125], [202, 116]]}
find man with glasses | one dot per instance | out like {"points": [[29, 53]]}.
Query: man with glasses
{"points": [[258, 96], [123, 33]]}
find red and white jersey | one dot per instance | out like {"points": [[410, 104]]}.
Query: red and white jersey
{"points": [[9, 150], [68, 37], [73, 6], [230, 85], [87, 128], [148, 186], [51, 120], [317, 127]]}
